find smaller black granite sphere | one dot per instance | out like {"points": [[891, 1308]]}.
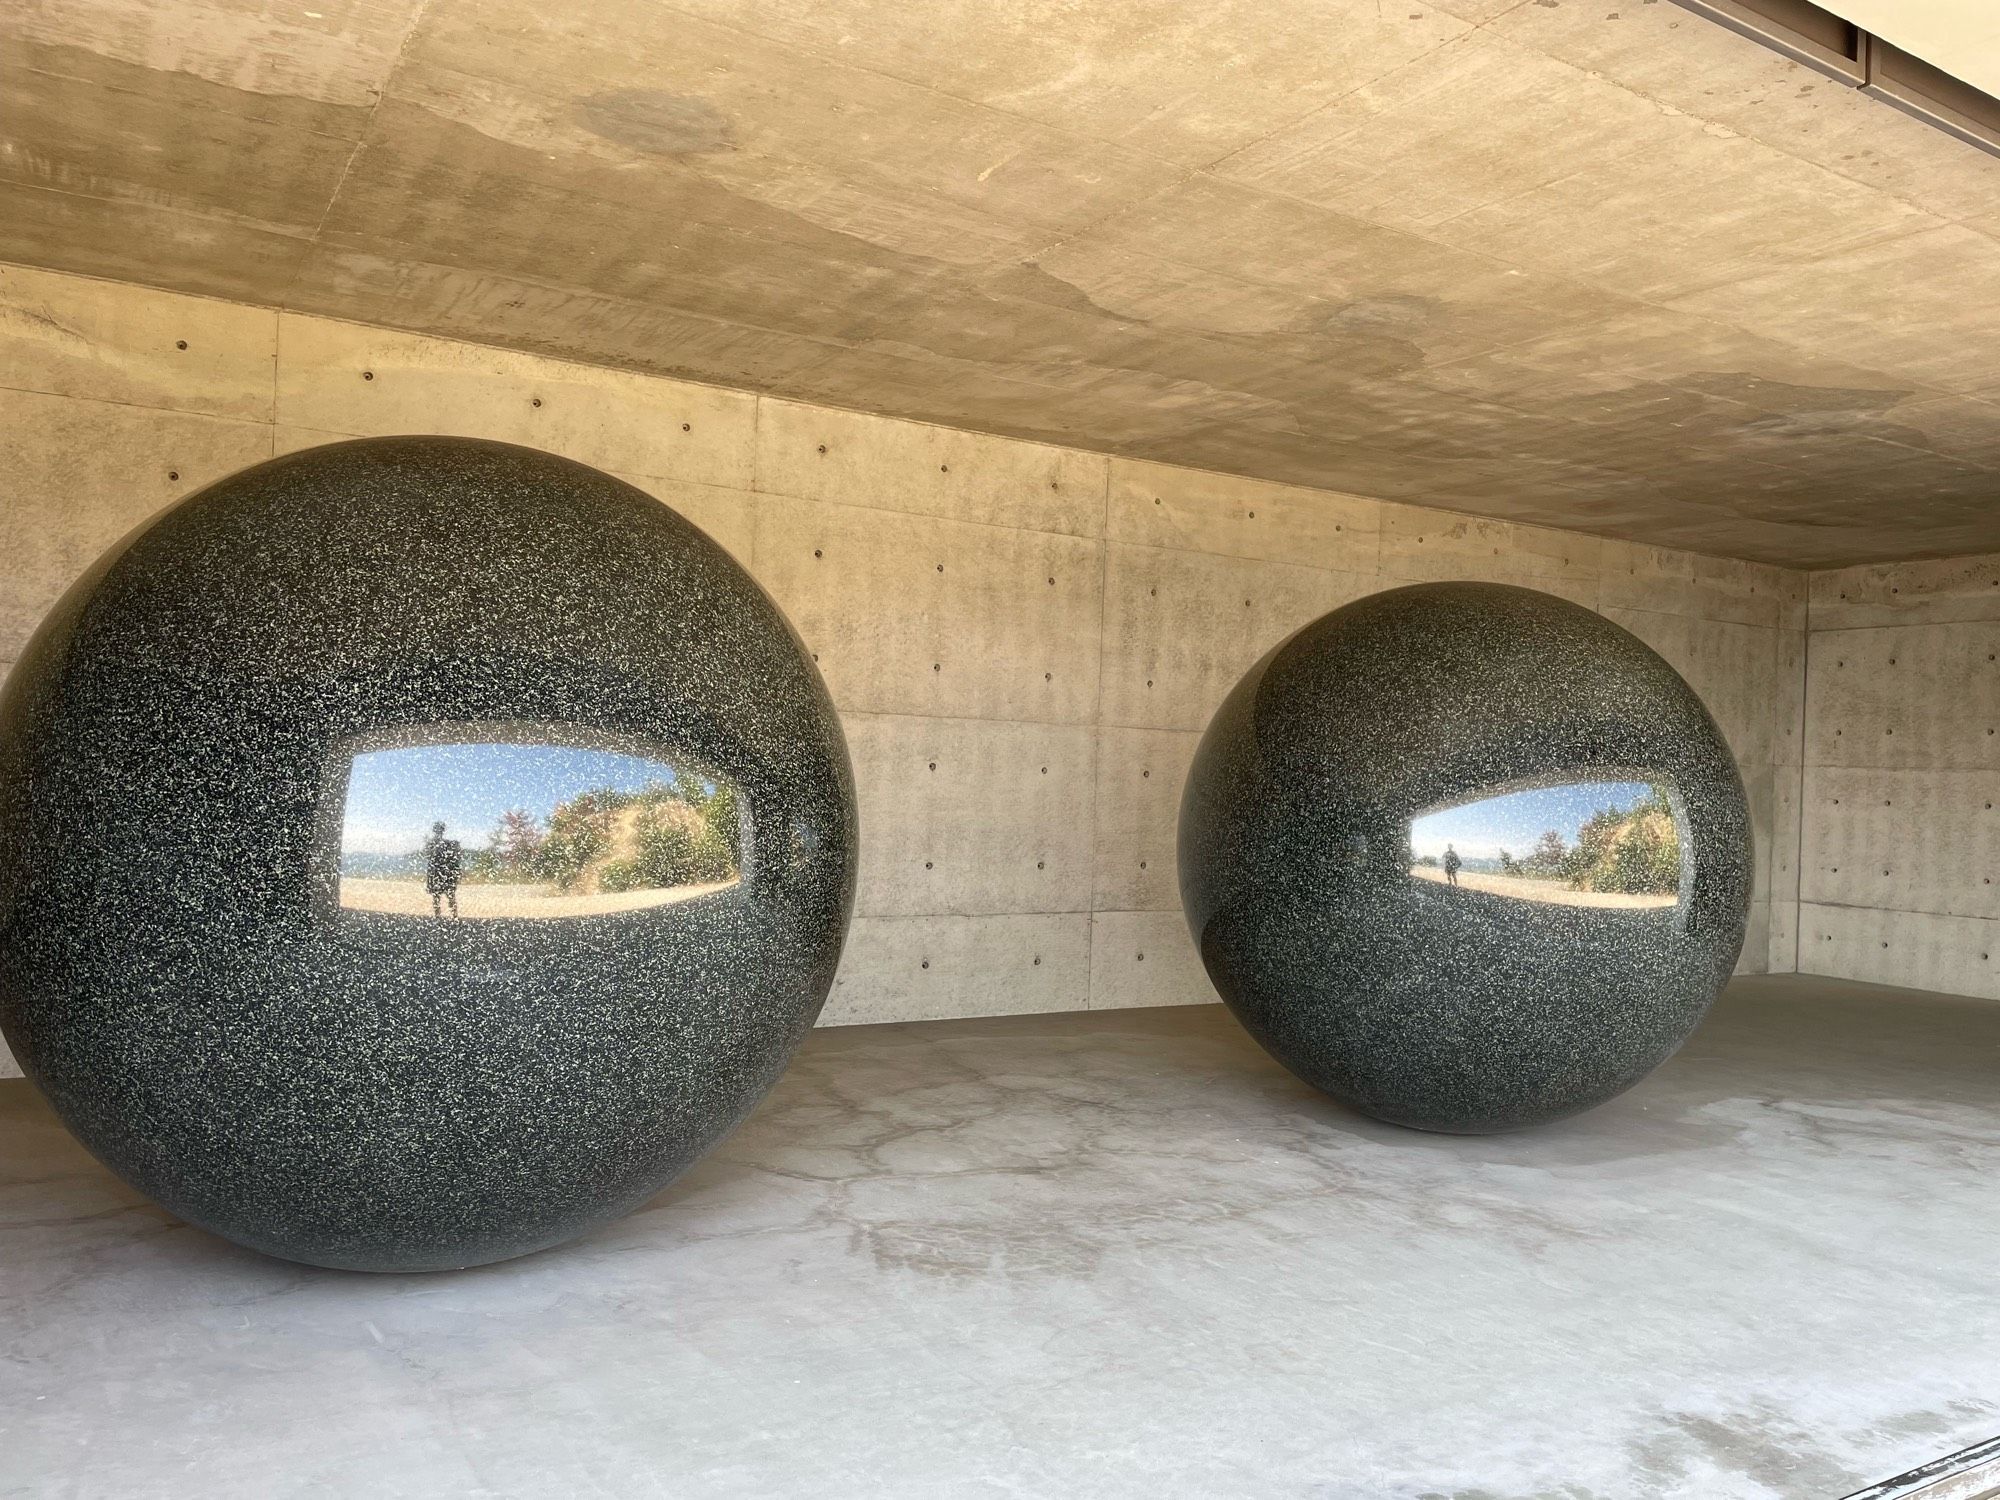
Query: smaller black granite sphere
{"points": [[415, 852], [1466, 856]]}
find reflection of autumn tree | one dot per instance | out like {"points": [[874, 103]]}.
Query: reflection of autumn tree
{"points": [[515, 845], [1548, 854]]}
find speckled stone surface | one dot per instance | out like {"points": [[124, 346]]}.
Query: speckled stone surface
{"points": [[405, 1094], [1451, 1007]]}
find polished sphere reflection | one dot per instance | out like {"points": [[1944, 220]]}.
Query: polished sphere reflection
{"points": [[1466, 856], [415, 852]]}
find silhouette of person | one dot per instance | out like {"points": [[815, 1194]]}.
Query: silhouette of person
{"points": [[441, 862], [1451, 862]]}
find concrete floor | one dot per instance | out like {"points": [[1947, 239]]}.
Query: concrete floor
{"points": [[1104, 1254]]}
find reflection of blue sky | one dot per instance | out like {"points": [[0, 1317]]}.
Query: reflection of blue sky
{"points": [[1480, 830], [393, 796]]}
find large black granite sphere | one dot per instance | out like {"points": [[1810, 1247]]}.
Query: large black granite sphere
{"points": [[1466, 856], [415, 852]]}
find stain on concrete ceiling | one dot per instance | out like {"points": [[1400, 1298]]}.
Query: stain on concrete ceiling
{"points": [[1606, 266]]}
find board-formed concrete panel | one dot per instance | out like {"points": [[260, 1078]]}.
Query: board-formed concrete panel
{"points": [[1703, 588], [898, 968], [1927, 264], [1734, 668], [1157, 505], [1914, 840], [1429, 546], [1786, 834], [817, 453], [342, 377], [1946, 591], [729, 516], [80, 474], [1140, 958], [1145, 64], [971, 816], [66, 337], [1761, 793], [1788, 705], [1140, 773], [1181, 627], [1782, 955], [1899, 877], [938, 619], [1716, 74], [1917, 950], [1619, 270], [1756, 955], [1917, 696]]}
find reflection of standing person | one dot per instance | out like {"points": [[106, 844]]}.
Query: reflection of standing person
{"points": [[441, 861], [1451, 862]]}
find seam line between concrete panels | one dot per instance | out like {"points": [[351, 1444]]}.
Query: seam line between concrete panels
{"points": [[1917, 911], [1798, 778], [878, 713], [170, 411], [1906, 625], [756, 452], [513, 351], [917, 515], [1097, 727], [1696, 616], [628, 475], [1268, 562], [277, 366], [957, 915]]}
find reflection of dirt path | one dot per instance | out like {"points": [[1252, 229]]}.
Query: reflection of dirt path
{"points": [[1551, 892], [407, 898]]}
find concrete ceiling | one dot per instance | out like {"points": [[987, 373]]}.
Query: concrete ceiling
{"points": [[1603, 265], [1960, 36]]}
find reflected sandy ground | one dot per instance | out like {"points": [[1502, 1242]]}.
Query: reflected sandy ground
{"points": [[1551, 892], [408, 898]]}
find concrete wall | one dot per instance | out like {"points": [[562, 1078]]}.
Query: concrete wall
{"points": [[1900, 861], [1024, 641]]}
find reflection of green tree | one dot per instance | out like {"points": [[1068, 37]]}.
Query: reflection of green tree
{"points": [[686, 831], [579, 830], [1632, 851], [723, 814], [671, 851]]}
